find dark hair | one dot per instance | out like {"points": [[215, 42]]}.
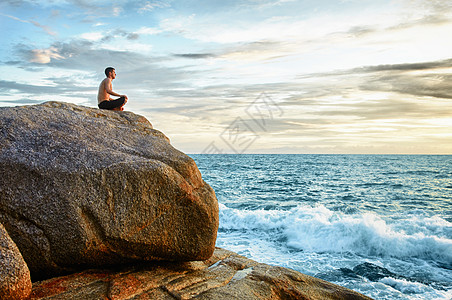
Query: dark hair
{"points": [[108, 70]]}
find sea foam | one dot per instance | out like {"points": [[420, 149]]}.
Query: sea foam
{"points": [[319, 229]]}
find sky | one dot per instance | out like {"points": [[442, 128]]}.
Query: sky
{"points": [[249, 76]]}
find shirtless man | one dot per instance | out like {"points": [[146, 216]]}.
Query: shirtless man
{"points": [[104, 100]]}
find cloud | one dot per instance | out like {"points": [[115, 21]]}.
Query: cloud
{"points": [[117, 10], [423, 79], [435, 80], [253, 51], [77, 55], [361, 31], [15, 2], [422, 12], [433, 19], [111, 36], [393, 109], [45, 28], [14, 87], [152, 5], [402, 68], [90, 11], [259, 50], [421, 66], [148, 31], [44, 56], [195, 55], [125, 34], [93, 36], [420, 85]]}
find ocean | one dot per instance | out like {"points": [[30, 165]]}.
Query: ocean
{"points": [[378, 224]]}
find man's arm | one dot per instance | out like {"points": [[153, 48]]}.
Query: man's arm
{"points": [[108, 89]]}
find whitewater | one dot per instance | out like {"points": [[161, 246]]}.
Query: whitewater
{"points": [[378, 224]]}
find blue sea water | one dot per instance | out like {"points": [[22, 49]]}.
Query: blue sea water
{"points": [[377, 224]]}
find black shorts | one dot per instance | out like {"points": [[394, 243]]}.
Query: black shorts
{"points": [[111, 104]]}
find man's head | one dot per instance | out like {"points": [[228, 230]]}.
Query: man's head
{"points": [[110, 71]]}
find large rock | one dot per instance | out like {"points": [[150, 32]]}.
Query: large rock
{"points": [[87, 187], [225, 276], [15, 282]]}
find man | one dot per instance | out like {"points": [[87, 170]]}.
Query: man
{"points": [[104, 100]]}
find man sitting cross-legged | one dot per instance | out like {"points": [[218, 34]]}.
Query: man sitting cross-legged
{"points": [[105, 90]]}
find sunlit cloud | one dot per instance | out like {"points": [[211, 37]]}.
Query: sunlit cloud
{"points": [[44, 56], [92, 36]]}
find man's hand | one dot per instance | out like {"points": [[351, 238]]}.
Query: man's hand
{"points": [[125, 97]]}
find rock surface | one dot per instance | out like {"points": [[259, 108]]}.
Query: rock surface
{"points": [[226, 275], [83, 187], [15, 282]]}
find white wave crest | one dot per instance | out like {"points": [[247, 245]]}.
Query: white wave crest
{"points": [[318, 229], [415, 288]]}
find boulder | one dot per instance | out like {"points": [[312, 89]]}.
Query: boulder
{"points": [[82, 187], [226, 275], [15, 282]]}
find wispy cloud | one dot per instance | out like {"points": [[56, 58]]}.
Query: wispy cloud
{"points": [[195, 55], [45, 28], [424, 79], [8, 86], [151, 5]]}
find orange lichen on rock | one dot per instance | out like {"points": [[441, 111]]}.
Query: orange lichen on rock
{"points": [[226, 275]]}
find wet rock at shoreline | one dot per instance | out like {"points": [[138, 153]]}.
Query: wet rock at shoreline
{"points": [[226, 275]]}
